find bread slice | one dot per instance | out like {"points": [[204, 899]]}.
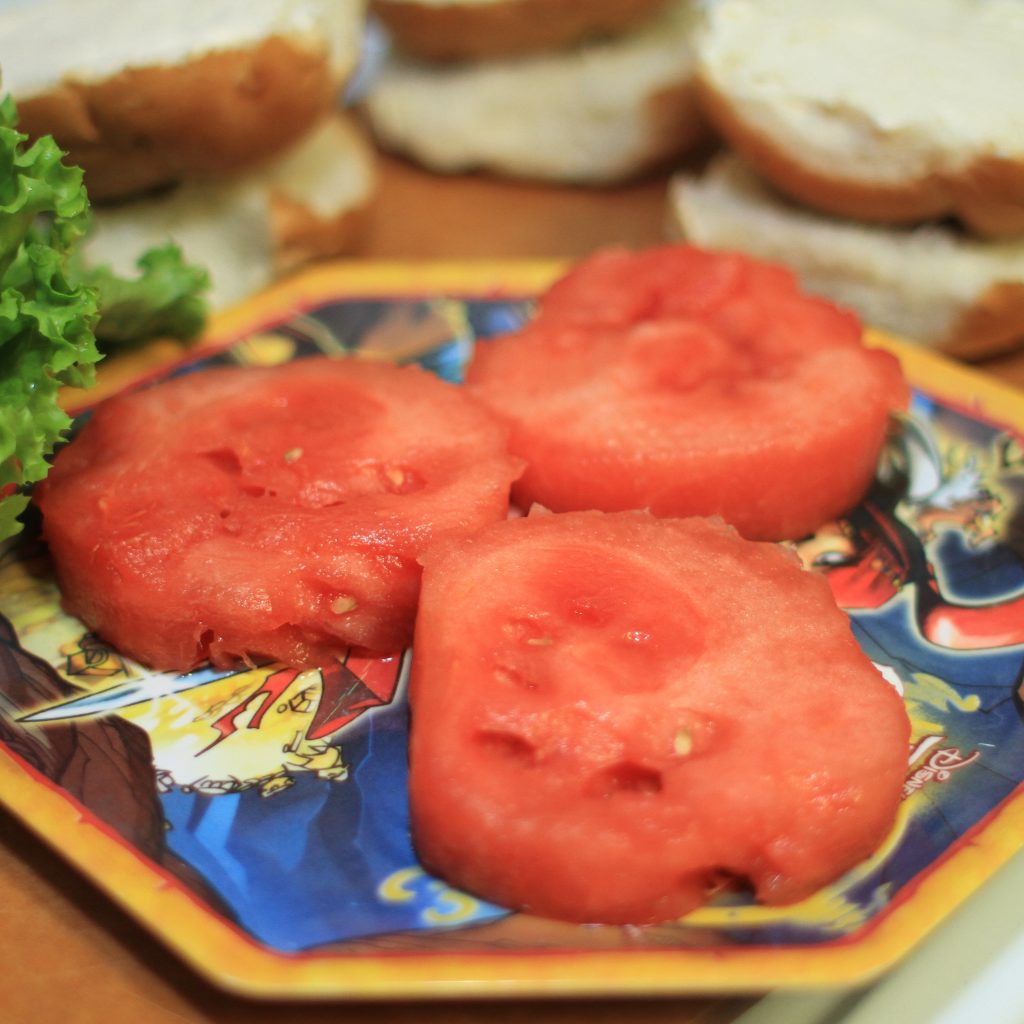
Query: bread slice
{"points": [[145, 93], [475, 29], [593, 114], [310, 202], [933, 284], [882, 111]]}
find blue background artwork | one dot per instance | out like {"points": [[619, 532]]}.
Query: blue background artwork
{"points": [[305, 866]]}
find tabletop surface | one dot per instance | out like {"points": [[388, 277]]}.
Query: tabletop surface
{"points": [[71, 955]]}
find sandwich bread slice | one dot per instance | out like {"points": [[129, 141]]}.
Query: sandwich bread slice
{"points": [[597, 113], [891, 112], [933, 284], [248, 229], [147, 93]]}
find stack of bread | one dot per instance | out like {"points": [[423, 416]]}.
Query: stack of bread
{"points": [[215, 125], [878, 149], [587, 92]]}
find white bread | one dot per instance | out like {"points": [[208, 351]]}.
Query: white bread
{"points": [[597, 113], [248, 229], [475, 29], [933, 284], [894, 112], [145, 93]]}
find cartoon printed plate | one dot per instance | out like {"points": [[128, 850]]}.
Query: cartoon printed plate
{"points": [[257, 821]]}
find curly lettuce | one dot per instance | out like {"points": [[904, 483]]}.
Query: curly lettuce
{"points": [[47, 318], [165, 300], [58, 316]]}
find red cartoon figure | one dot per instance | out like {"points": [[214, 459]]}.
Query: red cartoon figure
{"points": [[880, 548]]}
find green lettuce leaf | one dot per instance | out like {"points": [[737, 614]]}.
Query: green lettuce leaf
{"points": [[47, 319], [57, 316], [164, 301]]}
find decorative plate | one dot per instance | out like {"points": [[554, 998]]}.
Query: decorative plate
{"points": [[257, 822]]}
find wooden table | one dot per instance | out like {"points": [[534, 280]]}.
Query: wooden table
{"points": [[423, 216], [70, 955]]}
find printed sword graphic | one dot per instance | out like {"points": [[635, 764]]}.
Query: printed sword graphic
{"points": [[124, 695]]}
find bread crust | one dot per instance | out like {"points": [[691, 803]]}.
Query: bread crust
{"points": [[300, 237], [675, 128], [935, 285], [994, 325], [302, 234], [453, 31], [987, 196], [218, 113]]}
